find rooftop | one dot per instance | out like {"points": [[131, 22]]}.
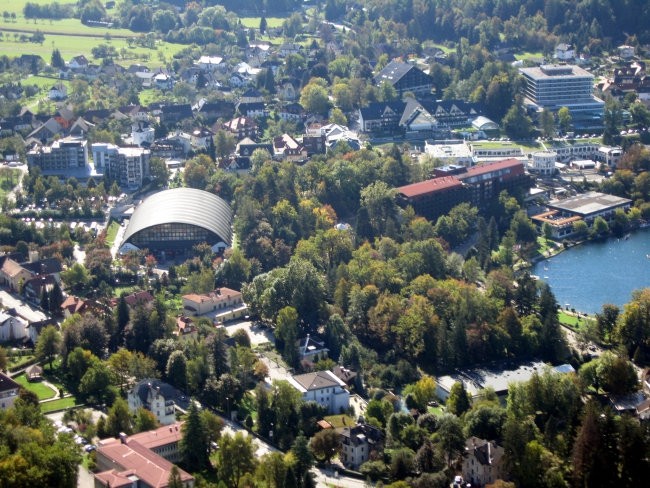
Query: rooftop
{"points": [[547, 71], [589, 203], [316, 381]]}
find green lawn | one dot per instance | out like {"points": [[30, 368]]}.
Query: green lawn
{"points": [[42, 391], [573, 321], [529, 56], [16, 361], [254, 22], [59, 404], [111, 233], [16, 6], [338, 421]]}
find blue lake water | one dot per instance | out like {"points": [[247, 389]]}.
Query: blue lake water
{"points": [[589, 275]]}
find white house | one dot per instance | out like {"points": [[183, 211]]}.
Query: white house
{"points": [[58, 92], [357, 443], [210, 63], [8, 391], [482, 462], [324, 388], [157, 397], [564, 52], [142, 133], [12, 328], [626, 52]]}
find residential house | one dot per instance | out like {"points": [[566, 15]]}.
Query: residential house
{"points": [[210, 63], [219, 109], [291, 111], [172, 114], [34, 372], [223, 304], [137, 299], [46, 131], [163, 80], [158, 397], [288, 48], [137, 113], [241, 127], [246, 73], [625, 51], [252, 109], [75, 305], [405, 77], [288, 92], [12, 327], [483, 462], [643, 410], [78, 63], [324, 388], [245, 149], [251, 96], [9, 390], [381, 117], [564, 52], [314, 144], [359, 444], [58, 92], [141, 460], [346, 375], [287, 148], [12, 274], [142, 134], [34, 288], [201, 139], [185, 328], [311, 349]]}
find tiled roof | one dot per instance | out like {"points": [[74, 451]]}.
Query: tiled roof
{"points": [[7, 384], [317, 380], [429, 186]]}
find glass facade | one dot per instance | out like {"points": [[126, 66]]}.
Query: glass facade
{"points": [[173, 236]]}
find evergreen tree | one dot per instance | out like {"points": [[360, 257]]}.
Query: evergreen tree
{"points": [[303, 456], [55, 299], [459, 400], [194, 442]]}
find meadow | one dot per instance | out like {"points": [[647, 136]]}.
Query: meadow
{"points": [[73, 38]]}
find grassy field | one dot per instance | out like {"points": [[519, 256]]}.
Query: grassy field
{"points": [[529, 56], [573, 321], [254, 22], [42, 391], [73, 38], [339, 421], [111, 233], [59, 404]]}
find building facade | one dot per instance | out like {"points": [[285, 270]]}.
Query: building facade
{"points": [[483, 462], [8, 391], [324, 388], [65, 154], [554, 86], [129, 166]]}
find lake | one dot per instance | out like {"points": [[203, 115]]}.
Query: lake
{"points": [[608, 271]]}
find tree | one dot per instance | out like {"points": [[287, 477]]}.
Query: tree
{"points": [[303, 457], [516, 123], [48, 344], [76, 277], [194, 443], [263, 25], [57, 60], [459, 400], [324, 445], [235, 458], [94, 385], [564, 119], [450, 437], [118, 419], [176, 370], [314, 98], [613, 118], [145, 420], [174, 480], [547, 123], [3, 359]]}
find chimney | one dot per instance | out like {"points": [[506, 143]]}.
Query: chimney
{"points": [[123, 438]]}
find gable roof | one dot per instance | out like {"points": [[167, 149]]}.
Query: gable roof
{"points": [[7, 384], [394, 71], [317, 380]]}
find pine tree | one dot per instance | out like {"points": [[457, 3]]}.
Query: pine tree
{"points": [[194, 443]]}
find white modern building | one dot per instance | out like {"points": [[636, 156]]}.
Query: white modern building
{"points": [[324, 388], [543, 163], [553, 86], [129, 166], [142, 134]]}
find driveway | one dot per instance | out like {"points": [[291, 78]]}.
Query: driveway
{"points": [[257, 335]]}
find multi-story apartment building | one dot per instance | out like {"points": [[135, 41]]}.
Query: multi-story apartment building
{"points": [[129, 166], [69, 153]]}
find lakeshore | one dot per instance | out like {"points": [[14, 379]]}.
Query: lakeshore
{"points": [[587, 275]]}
